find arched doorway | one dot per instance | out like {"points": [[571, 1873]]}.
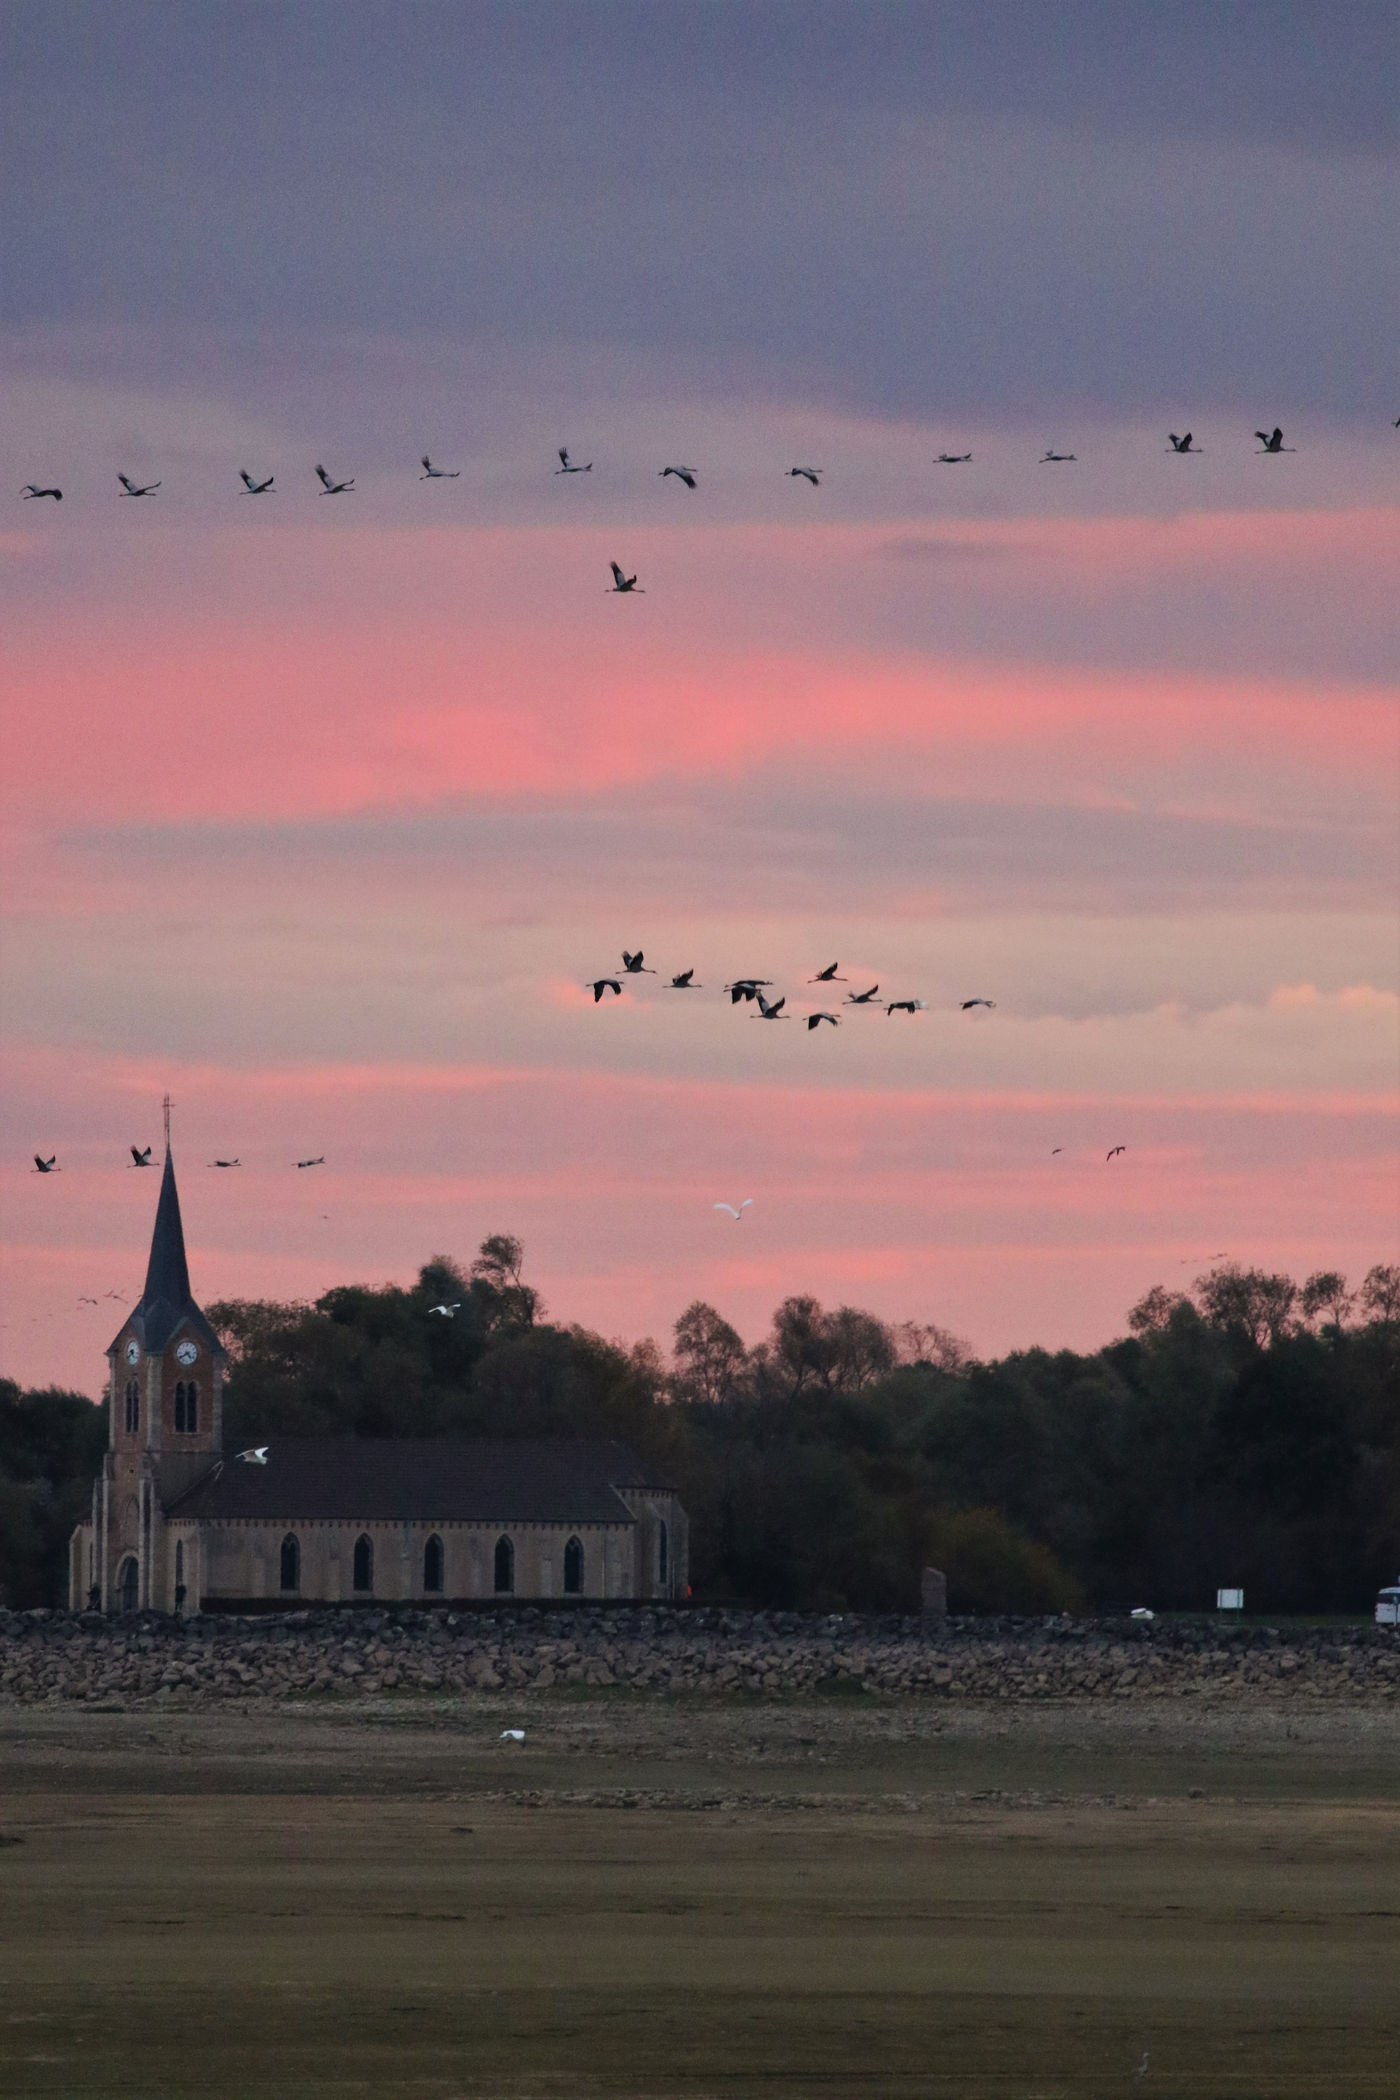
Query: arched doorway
{"points": [[573, 1568], [505, 1567], [128, 1584]]}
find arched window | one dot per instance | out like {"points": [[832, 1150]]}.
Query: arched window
{"points": [[291, 1563], [180, 1408], [663, 1553], [179, 1564], [432, 1564], [191, 1408], [363, 1577], [505, 1567], [573, 1568], [128, 1584], [133, 1407]]}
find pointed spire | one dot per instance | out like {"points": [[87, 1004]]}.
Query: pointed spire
{"points": [[167, 1272], [166, 1302]]}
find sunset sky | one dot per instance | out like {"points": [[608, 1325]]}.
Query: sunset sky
{"points": [[319, 812]]}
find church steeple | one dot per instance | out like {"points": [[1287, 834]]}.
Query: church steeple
{"points": [[165, 1396], [167, 1291], [166, 1303]]}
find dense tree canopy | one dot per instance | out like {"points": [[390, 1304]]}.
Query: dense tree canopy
{"points": [[51, 1445], [1244, 1433]]}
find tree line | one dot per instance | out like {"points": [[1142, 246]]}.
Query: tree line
{"points": [[1245, 1432]]}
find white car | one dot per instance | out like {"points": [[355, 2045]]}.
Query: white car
{"points": [[1388, 1608]]}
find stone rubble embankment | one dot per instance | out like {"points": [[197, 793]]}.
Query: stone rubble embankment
{"points": [[84, 1658]]}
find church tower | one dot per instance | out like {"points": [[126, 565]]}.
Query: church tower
{"points": [[165, 1395]]}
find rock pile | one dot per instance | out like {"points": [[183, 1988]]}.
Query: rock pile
{"points": [[60, 1656]]}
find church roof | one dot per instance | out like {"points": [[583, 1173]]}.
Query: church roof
{"points": [[423, 1480], [166, 1302]]}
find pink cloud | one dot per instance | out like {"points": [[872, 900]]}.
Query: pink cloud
{"points": [[408, 668]]}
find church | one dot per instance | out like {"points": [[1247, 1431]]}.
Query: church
{"points": [[178, 1524]]}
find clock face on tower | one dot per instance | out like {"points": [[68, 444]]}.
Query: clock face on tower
{"points": [[133, 1351], [186, 1353]]}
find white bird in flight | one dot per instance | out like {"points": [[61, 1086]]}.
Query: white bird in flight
{"points": [[131, 488], [449, 1312], [736, 1214], [512, 1735], [256, 488], [333, 488], [257, 1456]]}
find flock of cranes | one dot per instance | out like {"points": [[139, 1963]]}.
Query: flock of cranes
{"points": [[1270, 442], [749, 991], [141, 1157]]}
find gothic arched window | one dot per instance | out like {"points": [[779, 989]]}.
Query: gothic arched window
{"points": [[663, 1553], [181, 1417], [505, 1567], [573, 1568], [133, 1407], [191, 1409], [432, 1564], [128, 1584], [363, 1576], [291, 1563]]}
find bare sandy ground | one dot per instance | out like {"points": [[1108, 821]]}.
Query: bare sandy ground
{"points": [[656, 1898]]}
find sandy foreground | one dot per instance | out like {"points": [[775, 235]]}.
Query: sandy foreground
{"points": [[653, 1897]]}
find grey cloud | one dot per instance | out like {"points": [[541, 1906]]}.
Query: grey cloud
{"points": [[1026, 205], [911, 547], [782, 844]]}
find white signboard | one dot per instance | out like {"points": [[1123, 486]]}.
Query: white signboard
{"points": [[1229, 1600]]}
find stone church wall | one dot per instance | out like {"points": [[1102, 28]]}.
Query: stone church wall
{"points": [[232, 1562], [242, 1561]]}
